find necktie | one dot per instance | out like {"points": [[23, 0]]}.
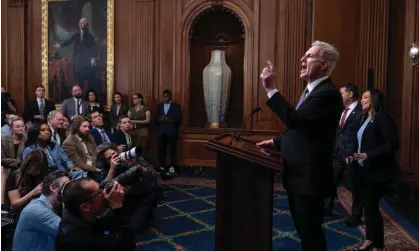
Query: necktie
{"points": [[55, 137], [103, 136], [342, 120], [78, 107], [302, 98], [81, 36], [42, 107]]}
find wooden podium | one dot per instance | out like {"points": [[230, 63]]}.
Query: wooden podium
{"points": [[244, 201]]}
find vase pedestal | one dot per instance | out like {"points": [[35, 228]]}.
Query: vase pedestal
{"points": [[215, 125]]}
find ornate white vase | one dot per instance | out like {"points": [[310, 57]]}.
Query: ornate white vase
{"points": [[217, 82]]}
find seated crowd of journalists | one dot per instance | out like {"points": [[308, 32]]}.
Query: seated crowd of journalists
{"points": [[72, 185], [95, 188]]}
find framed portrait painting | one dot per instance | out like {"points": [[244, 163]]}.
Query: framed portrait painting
{"points": [[77, 48]]}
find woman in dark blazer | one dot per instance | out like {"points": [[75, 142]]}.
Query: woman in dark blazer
{"points": [[118, 108], [94, 104], [377, 143]]}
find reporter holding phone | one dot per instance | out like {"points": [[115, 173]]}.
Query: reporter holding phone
{"points": [[168, 118], [377, 143]]}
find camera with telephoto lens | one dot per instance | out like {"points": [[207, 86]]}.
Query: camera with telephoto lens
{"points": [[131, 154], [125, 179], [128, 177]]}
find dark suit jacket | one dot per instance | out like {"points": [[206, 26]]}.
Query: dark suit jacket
{"points": [[98, 138], [307, 144], [62, 134], [120, 139], [68, 108], [75, 152], [113, 119], [380, 141], [8, 157], [346, 140], [32, 108], [174, 114]]}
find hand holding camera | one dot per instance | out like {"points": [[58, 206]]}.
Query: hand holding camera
{"points": [[115, 196], [115, 161]]}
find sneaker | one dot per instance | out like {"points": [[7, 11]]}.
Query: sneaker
{"points": [[172, 170]]}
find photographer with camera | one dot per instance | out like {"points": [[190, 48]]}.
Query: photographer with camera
{"points": [[93, 218], [39, 221], [131, 170]]}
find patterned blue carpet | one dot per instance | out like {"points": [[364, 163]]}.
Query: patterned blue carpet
{"points": [[186, 219]]}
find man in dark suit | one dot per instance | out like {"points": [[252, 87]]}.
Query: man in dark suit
{"points": [[346, 141], [123, 135], [37, 110], [84, 55], [168, 118], [75, 105], [307, 144], [100, 135], [98, 132], [56, 122]]}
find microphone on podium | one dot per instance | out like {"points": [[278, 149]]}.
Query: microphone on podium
{"points": [[239, 129]]}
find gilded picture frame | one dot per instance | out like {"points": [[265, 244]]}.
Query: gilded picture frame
{"points": [[49, 55]]}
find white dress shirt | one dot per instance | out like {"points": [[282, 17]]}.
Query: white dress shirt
{"points": [[81, 106], [351, 108], [57, 139], [310, 86], [40, 100], [86, 151]]}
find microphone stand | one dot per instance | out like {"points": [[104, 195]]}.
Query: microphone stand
{"points": [[241, 126]]}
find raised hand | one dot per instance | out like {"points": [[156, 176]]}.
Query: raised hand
{"points": [[115, 161], [268, 77]]}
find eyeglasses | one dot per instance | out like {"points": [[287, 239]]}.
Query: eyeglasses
{"points": [[91, 197], [78, 178]]}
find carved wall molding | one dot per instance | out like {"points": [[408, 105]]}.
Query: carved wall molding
{"points": [[142, 48], [14, 64], [409, 143], [372, 48], [249, 2], [294, 44], [15, 3], [182, 69]]}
